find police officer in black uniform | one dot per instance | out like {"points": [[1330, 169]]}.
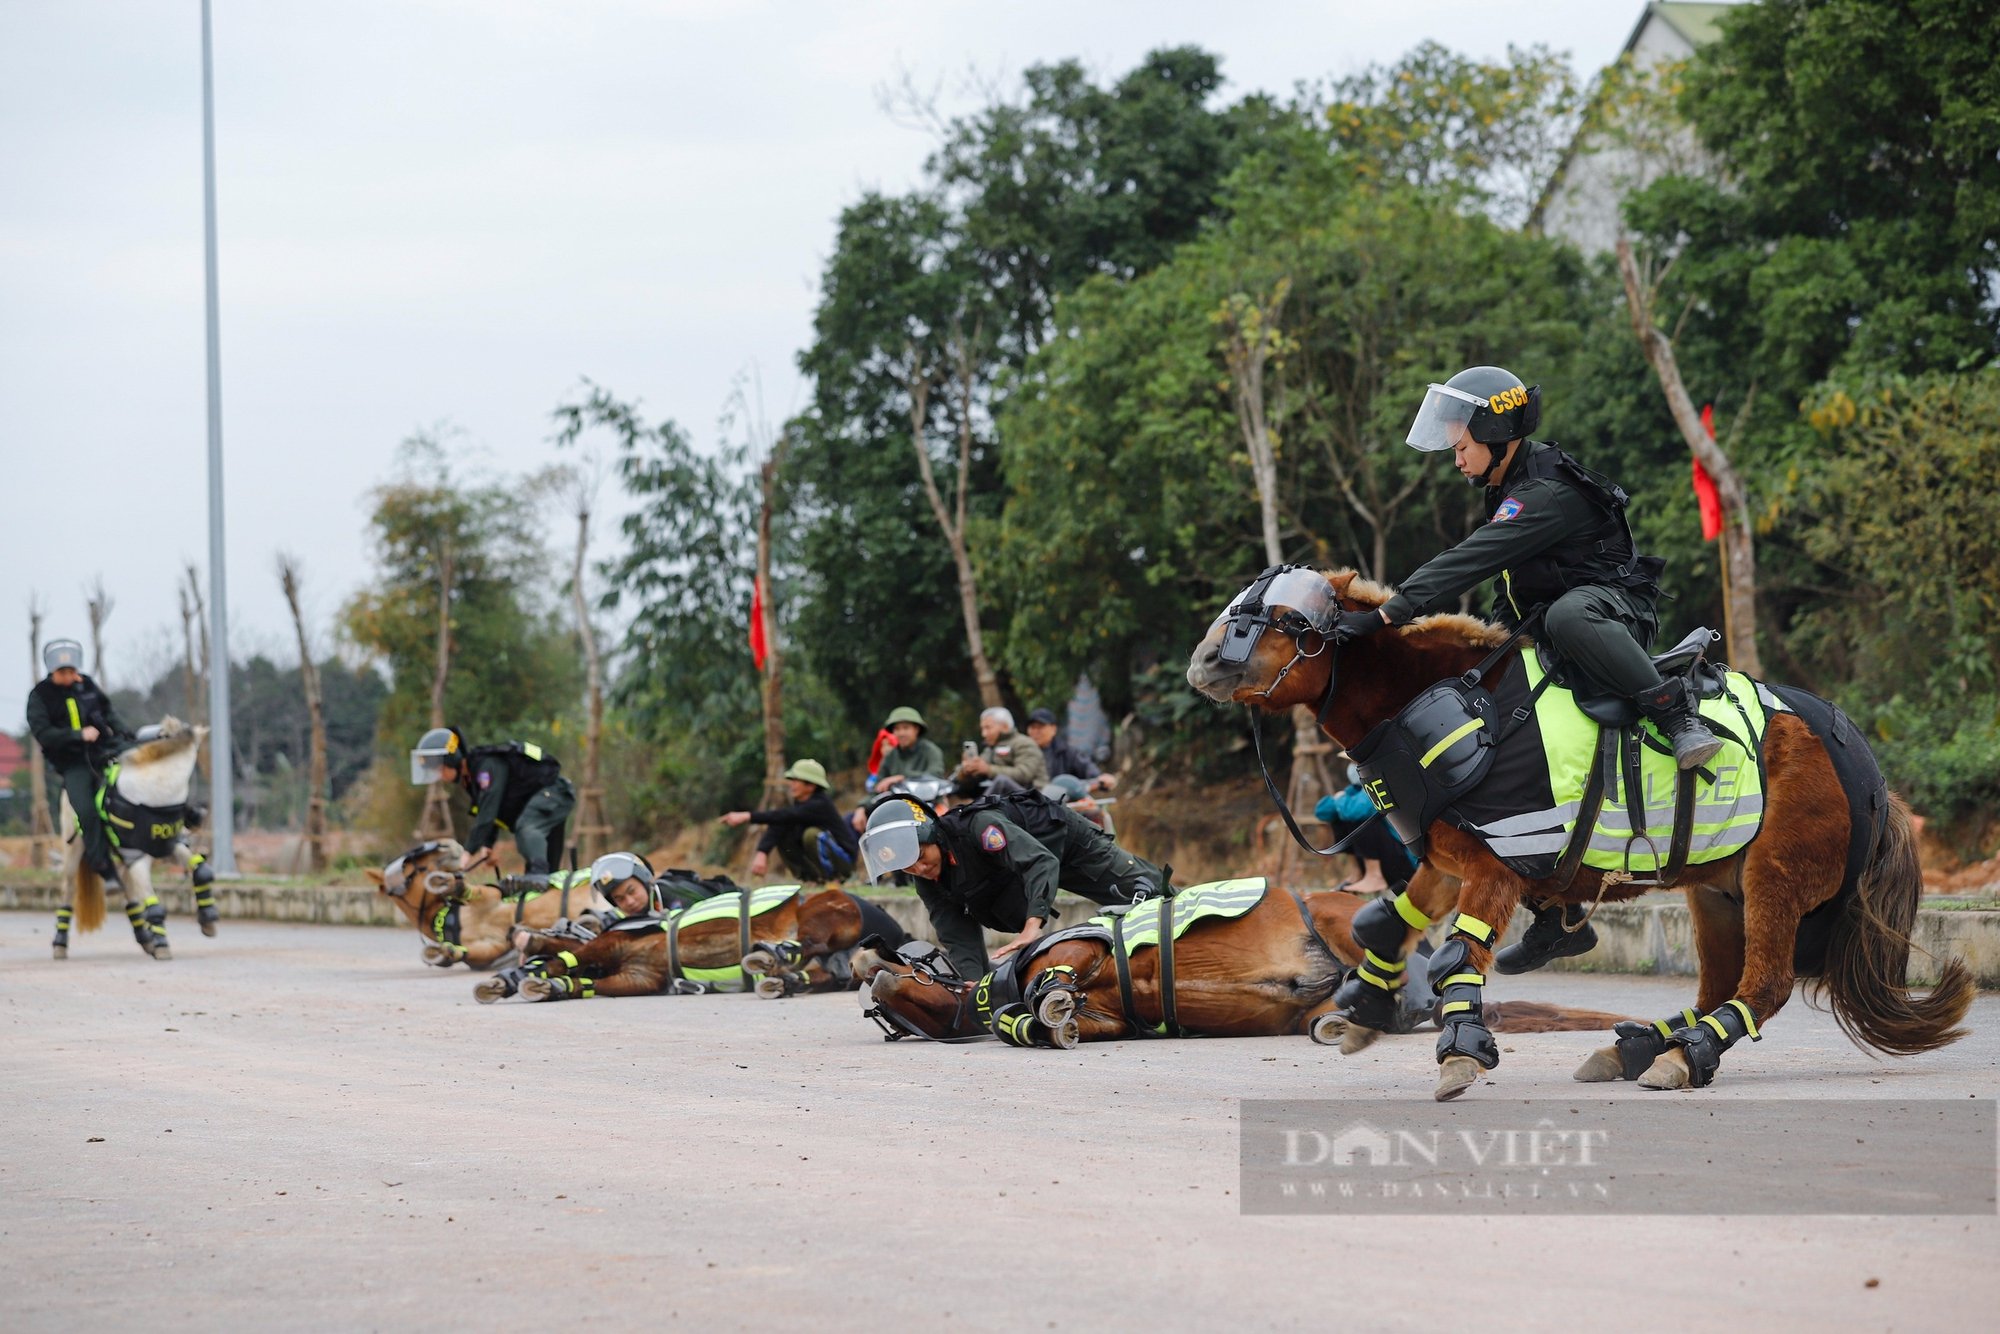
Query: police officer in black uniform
{"points": [[998, 863], [79, 733], [1557, 539], [517, 787]]}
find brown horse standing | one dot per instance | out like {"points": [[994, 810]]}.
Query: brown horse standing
{"points": [[818, 929], [1746, 908], [470, 924], [1270, 972]]}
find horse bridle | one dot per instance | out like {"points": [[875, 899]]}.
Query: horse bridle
{"points": [[926, 969], [1248, 620]]}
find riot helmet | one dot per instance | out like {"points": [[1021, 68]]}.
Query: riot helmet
{"points": [[615, 868], [1486, 402], [435, 749], [59, 653], [896, 832]]}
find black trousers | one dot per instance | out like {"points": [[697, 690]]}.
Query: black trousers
{"points": [[79, 782]]}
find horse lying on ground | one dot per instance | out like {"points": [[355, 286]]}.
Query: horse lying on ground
{"points": [[1834, 843], [788, 941], [473, 924], [1242, 961], [144, 806]]}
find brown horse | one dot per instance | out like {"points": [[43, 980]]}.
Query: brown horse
{"points": [[1746, 908], [471, 924], [796, 943], [1269, 972]]}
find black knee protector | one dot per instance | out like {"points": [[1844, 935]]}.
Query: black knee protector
{"points": [[156, 911], [202, 872], [1715, 1033], [1461, 1011], [1383, 924]]}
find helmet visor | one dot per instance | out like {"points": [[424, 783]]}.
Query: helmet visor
{"points": [[62, 653], [617, 867], [1442, 419], [425, 767]]}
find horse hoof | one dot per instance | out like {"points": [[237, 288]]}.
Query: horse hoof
{"points": [[1668, 1071], [1328, 1030], [769, 987], [1456, 1074], [536, 989], [161, 952], [208, 929], [1356, 1038], [760, 960], [1065, 1035], [1600, 1067], [62, 951], [492, 989], [1056, 1009]]}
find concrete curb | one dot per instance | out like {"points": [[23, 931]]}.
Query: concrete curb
{"points": [[1642, 937]]}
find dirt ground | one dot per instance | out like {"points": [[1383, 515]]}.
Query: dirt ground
{"points": [[302, 1127]]}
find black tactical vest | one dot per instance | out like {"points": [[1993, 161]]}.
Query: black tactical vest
{"points": [[1603, 553], [529, 770]]}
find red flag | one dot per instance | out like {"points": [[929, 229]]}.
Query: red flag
{"points": [[1705, 494], [884, 739], [758, 648]]}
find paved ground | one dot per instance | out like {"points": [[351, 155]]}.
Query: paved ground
{"points": [[295, 1126]]}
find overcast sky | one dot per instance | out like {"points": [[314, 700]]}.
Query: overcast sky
{"points": [[452, 210]]}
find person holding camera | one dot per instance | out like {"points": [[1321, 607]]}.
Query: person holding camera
{"points": [[1010, 762]]}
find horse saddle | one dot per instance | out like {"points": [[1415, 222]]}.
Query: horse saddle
{"points": [[1687, 658]]}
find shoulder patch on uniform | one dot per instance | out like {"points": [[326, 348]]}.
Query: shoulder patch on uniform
{"points": [[1509, 508], [485, 779], [993, 838]]}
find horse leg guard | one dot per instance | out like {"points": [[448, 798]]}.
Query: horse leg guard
{"points": [[206, 914], [149, 923], [1639, 1045], [61, 942], [500, 986], [1017, 1026], [1368, 997], [203, 873], [558, 988], [1460, 1007], [1703, 1043], [1053, 997]]}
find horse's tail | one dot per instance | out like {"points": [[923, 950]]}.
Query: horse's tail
{"points": [[1868, 954], [88, 900]]}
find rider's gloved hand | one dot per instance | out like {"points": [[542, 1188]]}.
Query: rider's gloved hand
{"points": [[1352, 625]]}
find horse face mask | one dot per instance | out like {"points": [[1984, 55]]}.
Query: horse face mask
{"points": [[1295, 600]]}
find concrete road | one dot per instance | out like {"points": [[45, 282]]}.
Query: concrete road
{"points": [[302, 1127]]}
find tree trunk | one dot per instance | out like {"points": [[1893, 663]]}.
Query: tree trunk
{"points": [[41, 828], [593, 830], [436, 822], [314, 840], [774, 662], [98, 605], [952, 520], [1739, 543], [1254, 338]]}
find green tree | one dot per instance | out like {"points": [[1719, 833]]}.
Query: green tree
{"points": [[513, 661]]}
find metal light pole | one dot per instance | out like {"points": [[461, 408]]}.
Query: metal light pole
{"points": [[222, 809]]}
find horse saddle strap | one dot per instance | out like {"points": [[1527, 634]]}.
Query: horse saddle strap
{"points": [[1168, 1019], [1588, 810], [1677, 852], [1122, 959], [673, 930], [520, 906], [743, 935]]}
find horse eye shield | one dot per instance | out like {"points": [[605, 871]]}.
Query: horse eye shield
{"points": [[1297, 601]]}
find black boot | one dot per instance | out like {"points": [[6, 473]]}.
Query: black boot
{"points": [[1548, 938], [1672, 709]]}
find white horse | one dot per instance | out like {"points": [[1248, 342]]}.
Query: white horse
{"points": [[144, 813]]}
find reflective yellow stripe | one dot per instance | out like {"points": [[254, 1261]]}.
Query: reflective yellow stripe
{"points": [[1458, 734], [1749, 1020], [1453, 1007], [1469, 979], [75, 718], [531, 750], [1376, 981], [1409, 912], [569, 960], [1665, 1031], [1689, 1017], [1386, 965], [1507, 582], [1716, 1024], [1473, 927]]}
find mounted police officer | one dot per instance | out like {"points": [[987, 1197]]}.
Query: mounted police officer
{"points": [[1558, 539], [997, 863], [517, 787], [79, 733]]}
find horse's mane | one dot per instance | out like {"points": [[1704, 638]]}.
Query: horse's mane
{"points": [[157, 772], [1451, 625], [175, 736]]}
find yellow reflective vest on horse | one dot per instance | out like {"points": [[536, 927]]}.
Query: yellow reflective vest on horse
{"points": [[1527, 808]]}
